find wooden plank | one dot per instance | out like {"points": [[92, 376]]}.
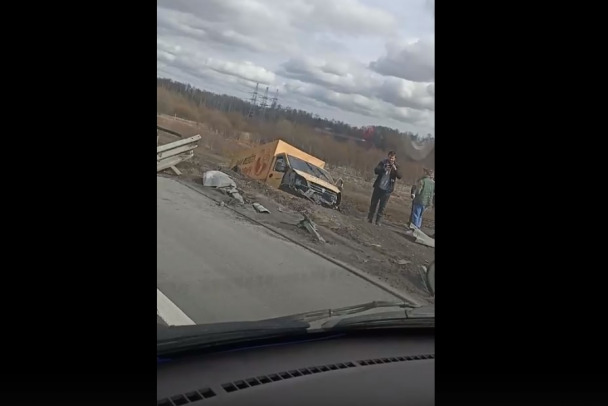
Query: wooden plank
{"points": [[176, 144], [172, 161], [168, 131], [168, 163], [176, 171], [175, 151], [179, 143]]}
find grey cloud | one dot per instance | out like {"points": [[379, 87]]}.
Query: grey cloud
{"points": [[360, 104], [328, 97], [211, 39], [406, 94], [415, 117], [348, 17], [218, 10], [245, 70], [251, 25], [277, 22], [173, 23], [195, 62], [355, 79], [335, 68], [415, 61], [329, 75]]}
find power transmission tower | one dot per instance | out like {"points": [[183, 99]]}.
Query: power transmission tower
{"points": [[275, 100], [253, 101], [264, 103]]}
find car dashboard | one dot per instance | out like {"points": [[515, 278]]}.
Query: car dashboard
{"points": [[387, 368]]}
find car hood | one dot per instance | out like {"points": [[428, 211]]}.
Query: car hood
{"points": [[318, 181]]}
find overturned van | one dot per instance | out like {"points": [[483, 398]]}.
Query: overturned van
{"points": [[287, 168]]}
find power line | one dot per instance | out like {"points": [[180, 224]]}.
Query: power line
{"points": [[264, 103], [253, 101], [275, 100]]}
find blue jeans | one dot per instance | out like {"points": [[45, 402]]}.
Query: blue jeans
{"points": [[417, 210]]}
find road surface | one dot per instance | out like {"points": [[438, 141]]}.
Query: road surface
{"points": [[214, 265]]}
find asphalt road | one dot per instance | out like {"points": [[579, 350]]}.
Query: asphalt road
{"points": [[214, 266]]}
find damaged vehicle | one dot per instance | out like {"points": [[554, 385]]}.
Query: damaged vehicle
{"points": [[287, 168]]}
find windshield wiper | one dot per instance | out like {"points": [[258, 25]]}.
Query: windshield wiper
{"points": [[343, 311], [412, 317], [402, 314], [182, 338]]}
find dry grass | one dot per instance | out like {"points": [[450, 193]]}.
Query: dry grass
{"points": [[226, 134], [228, 127], [217, 150]]}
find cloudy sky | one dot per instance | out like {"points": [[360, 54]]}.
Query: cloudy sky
{"points": [[365, 62]]}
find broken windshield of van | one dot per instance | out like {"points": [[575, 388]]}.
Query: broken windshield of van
{"points": [[300, 165]]}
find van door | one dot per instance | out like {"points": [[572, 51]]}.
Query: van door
{"points": [[277, 170]]}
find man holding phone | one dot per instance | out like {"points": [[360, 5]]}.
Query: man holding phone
{"points": [[387, 172]]}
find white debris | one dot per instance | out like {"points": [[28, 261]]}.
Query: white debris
{"points": [[422, 238], [217, 179], [260, 209], [222, 181]]}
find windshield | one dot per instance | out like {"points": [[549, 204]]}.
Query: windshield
{"points": [[301, 165], [241, 238]]}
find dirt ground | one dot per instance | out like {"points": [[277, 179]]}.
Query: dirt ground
{"points": [[385, 252]]}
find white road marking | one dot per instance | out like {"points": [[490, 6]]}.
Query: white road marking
{"points": [[169, 312]]}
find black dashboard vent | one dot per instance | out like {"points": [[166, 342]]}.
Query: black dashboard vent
{"points": [[294, 373], [376, 361], [280, 376], [202, 394], [186, 398]]}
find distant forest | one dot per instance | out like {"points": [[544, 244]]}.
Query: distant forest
{"points": [[380, 137]]}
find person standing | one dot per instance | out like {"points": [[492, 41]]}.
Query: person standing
{"points": [[387, 172], [423, 195]]}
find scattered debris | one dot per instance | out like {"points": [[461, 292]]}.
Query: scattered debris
{"points": [[422, 238], [223, 182], [403, 262], [217, 179], [221, 204], [311, 227], [260, 209], [364, 260]]}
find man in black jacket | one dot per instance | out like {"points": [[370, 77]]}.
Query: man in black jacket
{"points": [[387, 171]]}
